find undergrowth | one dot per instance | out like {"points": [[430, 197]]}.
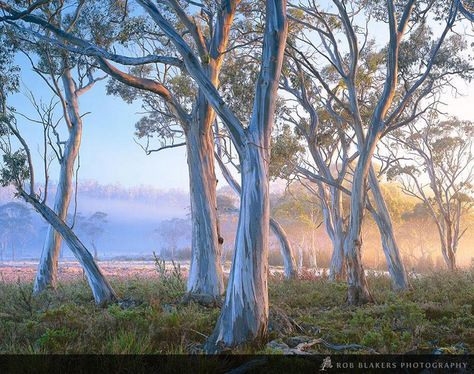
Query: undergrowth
{"points": [[436, 314]]}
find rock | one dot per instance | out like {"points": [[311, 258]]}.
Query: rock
{"points": [[168, 308], [294, 341], [274, 344], [128, 303]]}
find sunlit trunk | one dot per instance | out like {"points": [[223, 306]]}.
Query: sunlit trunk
{"points": [[383, 220], [289, 260], [244, 316], [47, 273], [101, 289], [205, 275]]}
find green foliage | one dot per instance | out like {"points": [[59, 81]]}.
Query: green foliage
{"points": [[286, 148], [15, 169]]}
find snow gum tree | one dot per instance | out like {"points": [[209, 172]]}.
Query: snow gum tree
{"points": [[399, 93], [17, 169]]}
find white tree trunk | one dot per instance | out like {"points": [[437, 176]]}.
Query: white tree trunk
{"points": [[47, 272], [395, 265], [244, 315], [205, 274], [101, 289], [358, 292], [337, 268]]}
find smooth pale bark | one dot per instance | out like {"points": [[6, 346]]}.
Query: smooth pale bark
{"points": [[47, 272], [244, 316], [101, 289], [205, 274], [383, 220], [337, 268], [336, 229], [289, 261]]}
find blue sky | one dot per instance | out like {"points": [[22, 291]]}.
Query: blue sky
{"points": [[108, 151]]}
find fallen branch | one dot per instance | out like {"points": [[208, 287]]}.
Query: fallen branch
{"points": [[335, 347]]}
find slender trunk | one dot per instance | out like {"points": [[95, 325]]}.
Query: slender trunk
{"points": [[101, 289], [205, 274], [244, 315], [337, 232], [383, 220], [289, 260], [300, 255], [47, 273]]}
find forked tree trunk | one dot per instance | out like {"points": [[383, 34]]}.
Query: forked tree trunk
{"points": [[449, 256], [47, 272], [205, 274], [244, 315], [101, 289], [383, 220]]}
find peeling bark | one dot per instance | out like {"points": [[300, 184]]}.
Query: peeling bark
{"points": [[205, 274]]}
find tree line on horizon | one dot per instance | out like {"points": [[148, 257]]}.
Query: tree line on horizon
{"points": [[262, 90]]}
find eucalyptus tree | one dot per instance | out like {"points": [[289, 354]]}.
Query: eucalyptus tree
{"points": [[175, 107], [17, 170], [417, 66], [244, 315], [437, 168], [68, 77]]}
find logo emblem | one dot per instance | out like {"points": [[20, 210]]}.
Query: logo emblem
{"points": [[327, 364]]}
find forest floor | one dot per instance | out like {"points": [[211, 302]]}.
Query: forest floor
{"points": [[436, 315]]}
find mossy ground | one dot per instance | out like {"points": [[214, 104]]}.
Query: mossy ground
{"points": [[438, 313]]}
